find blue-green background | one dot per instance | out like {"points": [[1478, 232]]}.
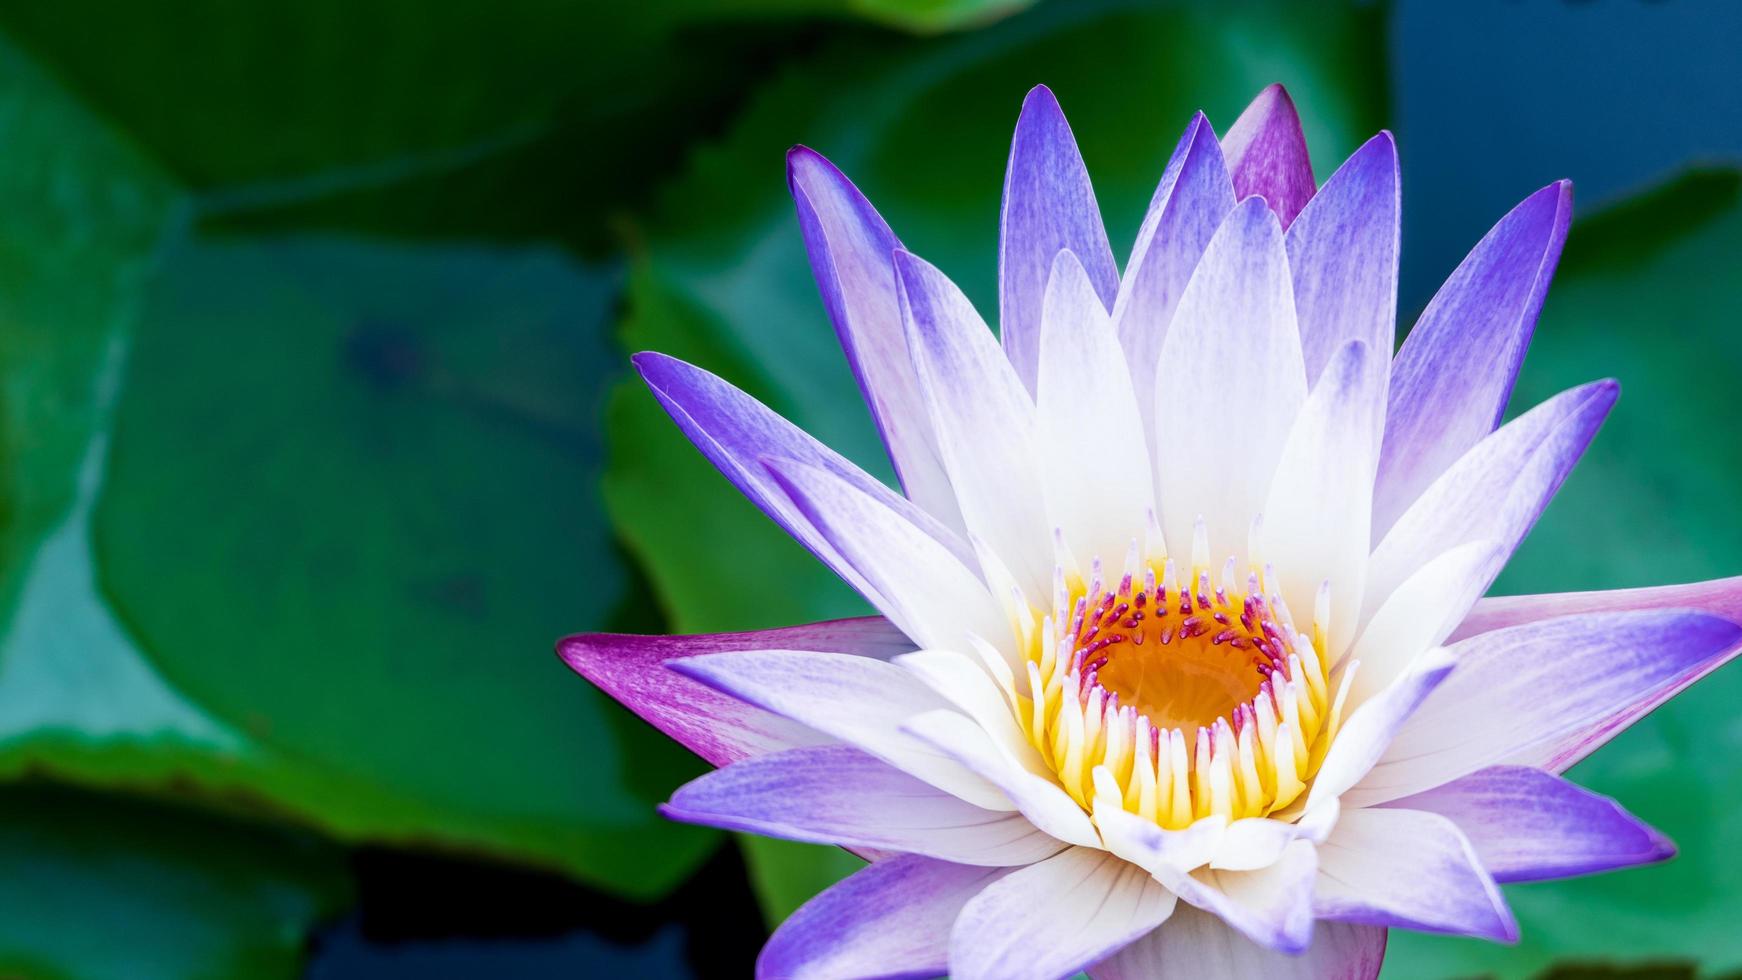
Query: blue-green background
{"points": [[315, 430]]}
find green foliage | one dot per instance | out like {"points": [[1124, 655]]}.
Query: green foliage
{"points": [[723, 282], [1646, 294], [119, 888]]}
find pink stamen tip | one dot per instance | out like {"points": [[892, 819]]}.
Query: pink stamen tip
{"points": [[1222, 637]]}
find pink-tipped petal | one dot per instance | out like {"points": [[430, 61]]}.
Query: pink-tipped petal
{"points": [[1529, 825], [715, 726], [1518, 693], [1049, 205], [1201, 946], [852, 255], [889, 920], [836, 794], [1267, 154], [1408, 869], [1451, 380], [1342, 251], [1054, 918]]}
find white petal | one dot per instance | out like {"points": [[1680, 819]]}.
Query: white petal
{"points": [[1410, 869], [860, 701], [920, 584], [1200, 946], [1040, 799], [1054, 918], [984, 421], [1094, 456], [1320, 508], [1229, 383], [836, 794], [1420, 614]]}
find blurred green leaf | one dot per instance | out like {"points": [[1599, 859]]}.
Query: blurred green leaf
{"points": [[114, 887], [293, 521], [923, 128], [1647, 294], [373, 474]]}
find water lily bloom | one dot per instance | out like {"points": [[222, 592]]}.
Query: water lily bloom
{"points": [[1183, 666]]}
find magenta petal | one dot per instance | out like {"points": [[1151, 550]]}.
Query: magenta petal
{"points": [[715, 726], [1342, 251], [851, 251], [1722, 597], [1199, 945], [1267, 154], [1451, 379], [889, 920], [1049, 205], [1528, 825], [836, 794]]}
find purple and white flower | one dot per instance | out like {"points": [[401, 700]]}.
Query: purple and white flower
{"points": [[1183, 665]]}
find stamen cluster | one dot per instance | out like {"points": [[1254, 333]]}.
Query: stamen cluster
{"points": [[1196, 700]]}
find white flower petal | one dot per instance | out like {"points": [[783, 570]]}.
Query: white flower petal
{"points": [[1229, 383], [1094, 457]]}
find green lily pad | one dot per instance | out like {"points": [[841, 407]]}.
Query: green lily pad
{"points": [[113, 887], [723, 281], [1647, 294], [350, 493]]}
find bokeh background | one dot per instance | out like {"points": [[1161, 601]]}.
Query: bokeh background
{"points": [[316, 429]]}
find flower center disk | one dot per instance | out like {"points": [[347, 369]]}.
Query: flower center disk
{"points": [[1192, 699]]}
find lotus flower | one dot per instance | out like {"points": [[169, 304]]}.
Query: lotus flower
{"points": [[1183, 666]]}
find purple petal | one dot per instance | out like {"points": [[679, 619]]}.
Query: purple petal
{"points": [[1451, 380], [1049, 205], [1720, 596], [914, 580], [1496, 491], [1518, 693], [1342, 251], [1194, 197], [1267, 154], [1528, 825], [736, 431], [1238, 309], [718, 728], [1198, 945], [984, 420], [836, 794], [1051, 919], [860, 701], [851, 251], [1411, 870], [889, 920]]}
